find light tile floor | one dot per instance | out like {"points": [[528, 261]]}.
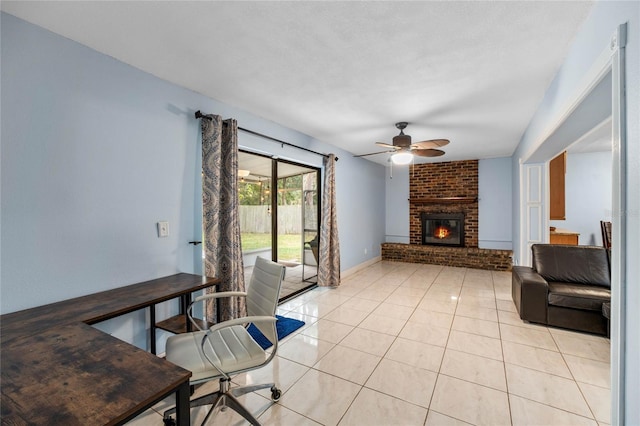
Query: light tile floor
{"points": [[407, 344]]}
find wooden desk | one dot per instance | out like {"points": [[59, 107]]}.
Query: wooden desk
{"points": [[57, 369]]}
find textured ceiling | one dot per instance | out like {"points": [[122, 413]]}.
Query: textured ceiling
{"points": [[344, 72]]}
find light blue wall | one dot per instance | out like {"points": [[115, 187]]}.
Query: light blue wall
{"points": [[587, 195], [95, 152], [361, 210], [397, 188], [93, 155], [494, 205], [590, 42]]}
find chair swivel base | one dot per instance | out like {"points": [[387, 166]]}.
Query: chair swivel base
{"points": [[226, 397]]}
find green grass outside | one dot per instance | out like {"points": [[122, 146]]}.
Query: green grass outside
{"points": [[288, 245]]}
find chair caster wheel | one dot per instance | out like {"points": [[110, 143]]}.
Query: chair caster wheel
{"points": [[275, 394], [169, 421]]}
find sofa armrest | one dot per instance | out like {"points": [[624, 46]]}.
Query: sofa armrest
{"points": [[529, 291]]}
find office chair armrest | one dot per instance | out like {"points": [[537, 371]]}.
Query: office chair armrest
{"points": [[241, 321], [219, 295], [210, 296]]}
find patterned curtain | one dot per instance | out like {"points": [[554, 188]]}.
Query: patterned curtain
{"points": [[329, 264], [220, 222]]}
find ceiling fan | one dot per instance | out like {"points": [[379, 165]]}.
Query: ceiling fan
{"points": [[404, 150]]}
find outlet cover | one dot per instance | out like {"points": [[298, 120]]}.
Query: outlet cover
{"points": [[163, 229]]}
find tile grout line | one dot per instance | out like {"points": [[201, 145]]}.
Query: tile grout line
{"points": [[361, 386], [584, 398], [435, 384], [504, 363], [378, 364]]}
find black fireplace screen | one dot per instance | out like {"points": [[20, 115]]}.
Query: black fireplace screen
{"points": [[443, 229]]}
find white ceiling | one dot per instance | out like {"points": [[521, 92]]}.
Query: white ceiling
{"points": [[344, 72]]}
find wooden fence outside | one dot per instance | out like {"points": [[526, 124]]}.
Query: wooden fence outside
{"points": [[257, 219]]}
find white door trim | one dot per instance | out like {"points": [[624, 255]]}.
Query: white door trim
{"points": [[618, 226], [534, 190]]}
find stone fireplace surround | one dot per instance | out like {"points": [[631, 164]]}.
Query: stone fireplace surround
{"points": [[449, 187]]}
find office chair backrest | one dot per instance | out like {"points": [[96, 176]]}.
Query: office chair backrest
{"points": [[263, 293]]}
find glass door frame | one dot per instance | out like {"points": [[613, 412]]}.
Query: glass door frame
{"points": [[274, 201], [274, 197]]}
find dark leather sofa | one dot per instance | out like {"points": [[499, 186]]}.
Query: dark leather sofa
{"points": [[566, 287]]}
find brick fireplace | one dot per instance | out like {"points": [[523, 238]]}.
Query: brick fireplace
{"points": [[450, 187], [442, 190]]}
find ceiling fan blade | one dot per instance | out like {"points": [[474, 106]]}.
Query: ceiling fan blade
{"points": [[375, 153], [427, 152], [386, 145], [432, 143]]}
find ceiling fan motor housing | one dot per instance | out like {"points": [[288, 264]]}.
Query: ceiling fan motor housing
{"points": [[402, 140]]}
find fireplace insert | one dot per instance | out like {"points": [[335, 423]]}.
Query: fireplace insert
{"points": [[442, 229]]}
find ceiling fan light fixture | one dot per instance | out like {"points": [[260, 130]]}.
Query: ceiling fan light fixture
{"points": [[402, 158]]}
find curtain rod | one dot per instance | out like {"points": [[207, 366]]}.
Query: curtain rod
{"points": [[198, 114]]}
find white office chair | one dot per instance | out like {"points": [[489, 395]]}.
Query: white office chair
{"points": [[227, 348]]}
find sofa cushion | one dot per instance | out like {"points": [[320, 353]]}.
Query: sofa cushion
{"points": [[578, 296], [572, 264]]}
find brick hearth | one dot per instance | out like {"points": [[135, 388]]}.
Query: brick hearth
{"points": [[497, 260], [449, 187]]}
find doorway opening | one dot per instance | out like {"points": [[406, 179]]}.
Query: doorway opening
{"points": [[279, 217], [604, 83]]}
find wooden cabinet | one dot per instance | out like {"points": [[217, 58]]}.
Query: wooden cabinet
{"points": [[557, 170], [563, 237]]}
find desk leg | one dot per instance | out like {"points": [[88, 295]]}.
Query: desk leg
{"points": [[152, 328], [183, 413], [185, 301]]}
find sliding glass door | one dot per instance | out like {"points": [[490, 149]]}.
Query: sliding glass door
{"points": [[254, 193], [279, 217]]}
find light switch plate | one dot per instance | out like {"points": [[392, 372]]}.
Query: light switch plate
{"points": [[163, 229]]}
